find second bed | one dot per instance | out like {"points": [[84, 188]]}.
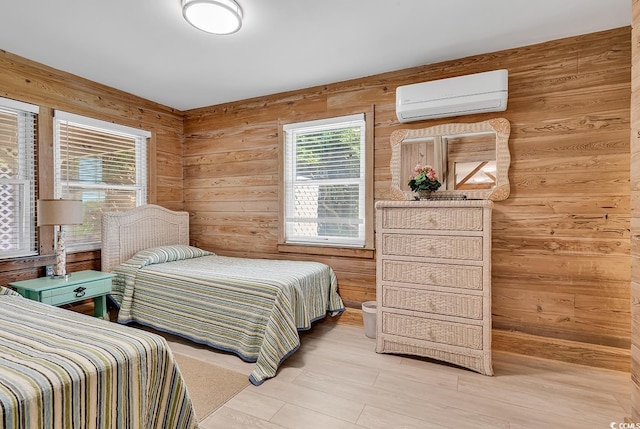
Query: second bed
{"points": [[251, 307]]}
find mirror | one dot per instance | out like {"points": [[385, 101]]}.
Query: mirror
{"points": [[471, 160]]}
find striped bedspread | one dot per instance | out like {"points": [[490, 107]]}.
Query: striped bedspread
{"points": [[251, 307], [60, 369]]}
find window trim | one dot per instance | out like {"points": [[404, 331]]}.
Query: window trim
{"points": [[142, 138], [19, 105], [331, 250], [27, 218], [86, 121]]}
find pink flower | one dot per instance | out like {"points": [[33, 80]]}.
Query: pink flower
{"points": [[423, 178], [425, 170]]}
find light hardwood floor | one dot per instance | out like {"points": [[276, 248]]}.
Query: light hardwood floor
{"points": [[336, 380]]}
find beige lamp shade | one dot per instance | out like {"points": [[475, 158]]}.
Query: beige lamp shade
{"points": [[59, 212]]}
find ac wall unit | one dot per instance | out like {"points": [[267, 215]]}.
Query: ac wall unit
{"points": [[462, 95]]}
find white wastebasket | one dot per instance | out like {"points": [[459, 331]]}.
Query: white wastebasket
{"points": [[369, 310]]}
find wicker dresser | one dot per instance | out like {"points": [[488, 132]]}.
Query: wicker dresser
{"points": [[434, 280]]}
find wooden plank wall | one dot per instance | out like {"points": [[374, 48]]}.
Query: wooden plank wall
{"points": [[561, 242], [635, 212], [31, 82]]}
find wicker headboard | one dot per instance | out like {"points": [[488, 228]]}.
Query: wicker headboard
{"points": [[125, 233]]}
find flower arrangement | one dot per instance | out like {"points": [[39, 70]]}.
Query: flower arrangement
{"points": [[423, 179]]}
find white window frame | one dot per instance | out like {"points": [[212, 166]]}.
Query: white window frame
{"points": [[141, 185], [26, 219], [289, 131]]}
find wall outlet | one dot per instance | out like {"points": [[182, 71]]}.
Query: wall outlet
{"points": [[48, 269]]}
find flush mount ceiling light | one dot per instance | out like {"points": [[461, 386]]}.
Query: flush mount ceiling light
{"points": [[213, 16]]}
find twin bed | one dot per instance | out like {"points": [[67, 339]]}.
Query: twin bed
{"points": [[251, 307], [60, 369]]}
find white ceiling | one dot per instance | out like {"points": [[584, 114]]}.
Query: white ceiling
{"points": [[146, 48]]}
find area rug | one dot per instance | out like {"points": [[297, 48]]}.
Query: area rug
{"points": [[209, 385]]}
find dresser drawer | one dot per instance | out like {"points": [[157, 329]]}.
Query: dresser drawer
{"points": [[445, 275], [447, 304], [445, 218], [472, 359], [437, 331], [432, 246], [64, 295]]}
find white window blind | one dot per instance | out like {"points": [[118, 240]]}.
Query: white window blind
{"points": [[325, 181], [102, 164], [17, 179]]}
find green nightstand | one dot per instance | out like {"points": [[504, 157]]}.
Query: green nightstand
{"points": [[79, 286]]}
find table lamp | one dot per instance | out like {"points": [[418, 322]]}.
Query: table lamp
{"points": [[57, 213]]}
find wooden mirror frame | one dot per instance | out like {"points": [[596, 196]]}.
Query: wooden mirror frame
{"points": [[500, 126]]}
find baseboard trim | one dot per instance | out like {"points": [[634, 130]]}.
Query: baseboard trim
{"points": [[614, 358], [350, 316]]}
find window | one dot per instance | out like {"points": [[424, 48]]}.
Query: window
{"points": [[17, 179], [102, 164], [325, 176]]}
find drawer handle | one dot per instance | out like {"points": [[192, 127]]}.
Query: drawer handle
{"points": [[80, 291]]}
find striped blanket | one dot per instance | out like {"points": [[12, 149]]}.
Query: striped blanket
{"points": [[251, 307], [60, 369]]}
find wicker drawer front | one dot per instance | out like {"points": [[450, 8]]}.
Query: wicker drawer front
{"points": [[460, 219], [448, 304], [476, 362], [437, 331], [431, 246], [457, 276]]}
